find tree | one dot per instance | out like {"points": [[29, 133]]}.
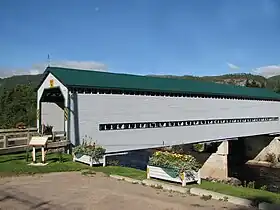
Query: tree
{"points": [[247, 83], [17, 105], [254, 84], [277, 87]]}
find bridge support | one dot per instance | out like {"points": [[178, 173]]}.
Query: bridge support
{"points": [[216, 166]]}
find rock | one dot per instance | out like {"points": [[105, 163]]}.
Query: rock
{"points": [[231, 181], [234, 181]]}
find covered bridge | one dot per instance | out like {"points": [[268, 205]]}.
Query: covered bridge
{"points": [[127, 112]]}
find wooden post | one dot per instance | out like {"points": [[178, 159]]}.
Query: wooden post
{"points": [[90, 159], [198, 177], [28, 137], [33, 154], [5, 139], [43, 154], [104, 160], [184, 179], [148, 173]]}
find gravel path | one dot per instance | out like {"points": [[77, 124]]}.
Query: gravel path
{"points": [[71, 190]]}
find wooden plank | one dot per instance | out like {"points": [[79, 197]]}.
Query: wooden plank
{"points": [[16, 130], [58, 132], [18, 135], [5, 140], [17, 139]]}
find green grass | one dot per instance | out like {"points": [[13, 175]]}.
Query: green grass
{"points": [[15, 164], [255, 195], [242, 192], [122, 171]]}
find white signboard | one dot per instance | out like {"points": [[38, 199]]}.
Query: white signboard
{"points": [[38, 140]]}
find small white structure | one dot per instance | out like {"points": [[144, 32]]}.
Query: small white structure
{"points": [[123, 112], [35, 142], [87, 159], [184, 178]]}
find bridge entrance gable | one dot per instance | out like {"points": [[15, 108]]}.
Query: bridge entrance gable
{"points": [[52, 98]]}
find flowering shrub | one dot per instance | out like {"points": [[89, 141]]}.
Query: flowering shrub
{"points": [[200, 147], [177, 162], [47, 129], [91, 149]]}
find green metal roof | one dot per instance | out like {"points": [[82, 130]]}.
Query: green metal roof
{"points": [[105, 80]]}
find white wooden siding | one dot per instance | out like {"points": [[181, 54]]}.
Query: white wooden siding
{"points": [[94, 109]]}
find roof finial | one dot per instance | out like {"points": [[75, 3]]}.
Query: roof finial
{"points": [[49, 60]]}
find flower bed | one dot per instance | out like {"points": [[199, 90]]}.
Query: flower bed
{"points": [[174, 167], [89, 153]]}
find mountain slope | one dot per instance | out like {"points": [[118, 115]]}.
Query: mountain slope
{"points": [[11, 82], [235, 79]]}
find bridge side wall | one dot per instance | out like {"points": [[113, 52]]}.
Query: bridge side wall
{"points": [[88, 111]]}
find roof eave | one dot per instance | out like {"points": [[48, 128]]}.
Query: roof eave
{"points": [[174, 92]]}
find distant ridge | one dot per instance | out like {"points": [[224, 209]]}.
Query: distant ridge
{"points": [[235, 79]]}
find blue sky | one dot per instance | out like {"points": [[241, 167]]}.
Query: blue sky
{"points": [[197, 37]]}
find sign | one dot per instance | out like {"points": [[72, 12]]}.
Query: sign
{"points": [[51, 83], [38, 140], [38, 114], [66, 112]]}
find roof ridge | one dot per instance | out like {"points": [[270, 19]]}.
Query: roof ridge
{"points": [[91, 70], [142, 76], [91, 78]]}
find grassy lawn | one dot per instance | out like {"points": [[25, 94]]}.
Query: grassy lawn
{"points": [[242, 192], [122, 171], [15, 164]]}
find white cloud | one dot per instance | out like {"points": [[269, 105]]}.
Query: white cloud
{"points": [[268, 71], [39, 68], [232, 66], [88, 65]]}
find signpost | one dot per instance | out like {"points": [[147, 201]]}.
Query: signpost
{"points": [[38, 141]]}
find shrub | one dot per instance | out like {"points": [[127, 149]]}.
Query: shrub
{"points": [[91, 149], [47, 129], [177, 149], [20, 125], [200, 147], [251, 185], [264, 187], [177, 162], [271, 157]]}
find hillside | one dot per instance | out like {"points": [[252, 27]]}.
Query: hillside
{"points": [[235, 79], [11, 82]]}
